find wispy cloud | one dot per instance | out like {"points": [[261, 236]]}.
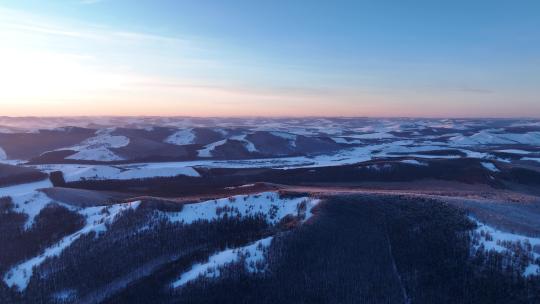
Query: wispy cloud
{"points": [[74, 63], [26, 22], [82, 55]]}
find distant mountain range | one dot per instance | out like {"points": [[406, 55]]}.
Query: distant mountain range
{"points": [[168, 139], [311, 210]]}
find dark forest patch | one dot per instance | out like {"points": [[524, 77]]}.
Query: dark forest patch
{"points": [[345, 255]]}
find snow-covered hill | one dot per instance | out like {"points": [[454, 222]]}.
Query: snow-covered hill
{"points": [[269, 205], [137, 140], [98, 148]]}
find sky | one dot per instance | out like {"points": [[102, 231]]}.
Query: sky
{"points": [[270, 58]]}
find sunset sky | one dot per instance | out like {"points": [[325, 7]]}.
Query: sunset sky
{"points": [[270, 58]]}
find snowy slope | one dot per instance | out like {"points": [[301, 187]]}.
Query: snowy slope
{"points": [[268, 204], [207, 151], [98, 148], [490, 137], [514, 151], [285, 135], [97, 219], [342, 140], [182, 137], [27, 199], [398, 148], [254, 262], [249, 145], [377, 135], [490, 166], [3, 154], [97, 154], [488, 238], [103, 172], [414, 162], [24, 188], [370, 138]]}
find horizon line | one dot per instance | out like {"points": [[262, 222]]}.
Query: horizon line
{"points": [[271, 117]]}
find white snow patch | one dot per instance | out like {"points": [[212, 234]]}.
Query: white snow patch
{"points": [[268, 204], [342, 140], [97, 154], [514, 151], [475, 154], [151, 172], [13, 162], [498, 236], [249, 145], [376, 135], [182, 137], [96, 220], [531, 159], [379, 167], [97, 148], [490, 166], [24, 188], [27, 199], [207, 151], [429, 156], [531, 270], [239, 187], [530, 138], [6, 130], [3, 154], [122, 172], [223, 132], [414, 162], [252, 254], [31, 204], [490, 137], [288, 136], [490, 238]]}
